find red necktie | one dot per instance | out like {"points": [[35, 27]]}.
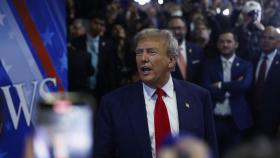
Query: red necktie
{"points": [[260, 84], [262, 70], [161, 120]]}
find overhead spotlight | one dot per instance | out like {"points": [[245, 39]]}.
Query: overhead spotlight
{"points": [[160, 1], [226, 12], [278, 30], [142, 2], [218, 10]]}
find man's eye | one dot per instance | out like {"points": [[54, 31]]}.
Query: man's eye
{"points": [[138, 52], [152, 51]]}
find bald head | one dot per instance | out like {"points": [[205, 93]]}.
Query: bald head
{"points": [[269, 39]]}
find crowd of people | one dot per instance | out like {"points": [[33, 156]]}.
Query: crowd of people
{"points": [[231, 48]]}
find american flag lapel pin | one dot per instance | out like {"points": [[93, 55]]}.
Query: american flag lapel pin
{"points": [[187, 105], [103, 44]]}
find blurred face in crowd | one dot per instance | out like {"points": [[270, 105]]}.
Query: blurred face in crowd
{"points": [[201, 33], [178, 27], [151, 11], [227, 44], [97, 27], [78, 29], [269, 39], [118, 32], [153, 63]]}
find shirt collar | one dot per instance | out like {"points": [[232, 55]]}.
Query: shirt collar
{"points": [[93, 39], [270, 56], [183, 45], [228, 60], [167, 88]]}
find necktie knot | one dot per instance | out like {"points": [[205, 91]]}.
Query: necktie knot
{"points": [[159, 92], [264, 58], [226, 63]]}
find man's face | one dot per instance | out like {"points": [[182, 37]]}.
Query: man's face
{"points": [[153, 63], [96, 26], [178, 27], [227, 44], [78, 30], [269, 40], [202, 32]]}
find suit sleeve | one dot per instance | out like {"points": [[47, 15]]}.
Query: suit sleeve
{"points": [[240, 86], [103, 135], [206, 81], [210, 126]]}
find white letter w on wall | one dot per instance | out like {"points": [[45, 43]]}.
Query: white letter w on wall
{"points": [[23, 107]]}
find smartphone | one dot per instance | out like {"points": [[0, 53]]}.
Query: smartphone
{"points": [[64, 126]]}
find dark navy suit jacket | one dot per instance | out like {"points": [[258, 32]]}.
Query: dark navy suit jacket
{"points": [[270, 101], [213, 72], [121, 128], [194, 61]]}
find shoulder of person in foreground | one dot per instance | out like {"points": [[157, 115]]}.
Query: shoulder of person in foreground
{"points": [[194, 88]]}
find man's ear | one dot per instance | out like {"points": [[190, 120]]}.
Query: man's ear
{"points": [[172, 63], [236, 45]]}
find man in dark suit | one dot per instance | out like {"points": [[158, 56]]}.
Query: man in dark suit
{"points": [[266, 105], [79, 70], [228, 78], [96, 45], [134, 120], [190, 55]]}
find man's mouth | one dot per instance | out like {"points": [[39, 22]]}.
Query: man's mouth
{"points": [[145, 69]]}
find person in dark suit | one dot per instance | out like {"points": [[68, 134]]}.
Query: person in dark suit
{"points": [[190, 55], [134, 120], [228, 78], [117, 66], [79, 70], [266, 89], [96, 45]]}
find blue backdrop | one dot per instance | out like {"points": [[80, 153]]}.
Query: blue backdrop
{"points": [[33, 61]]}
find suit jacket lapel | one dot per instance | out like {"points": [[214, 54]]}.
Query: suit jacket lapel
{"points": [[138, 118], [274, 64], [189, 54], [186, 108], [234, 67], [220, 69]]}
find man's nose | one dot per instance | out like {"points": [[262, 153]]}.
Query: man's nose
{"points": [[177, 31], [225, 44], [145, 57]]}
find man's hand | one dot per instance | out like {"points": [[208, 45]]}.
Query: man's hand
{"points": [[240, 78], [259, 25], [217, 85]]}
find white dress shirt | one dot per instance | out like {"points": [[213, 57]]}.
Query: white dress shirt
{"points": [[171, 106], [92, 48], [223, 108]]}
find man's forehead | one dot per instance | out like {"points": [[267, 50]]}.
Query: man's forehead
{"points": [[150, 40], [226, 36], [269, 32], [150, 43], [176, 21]]}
